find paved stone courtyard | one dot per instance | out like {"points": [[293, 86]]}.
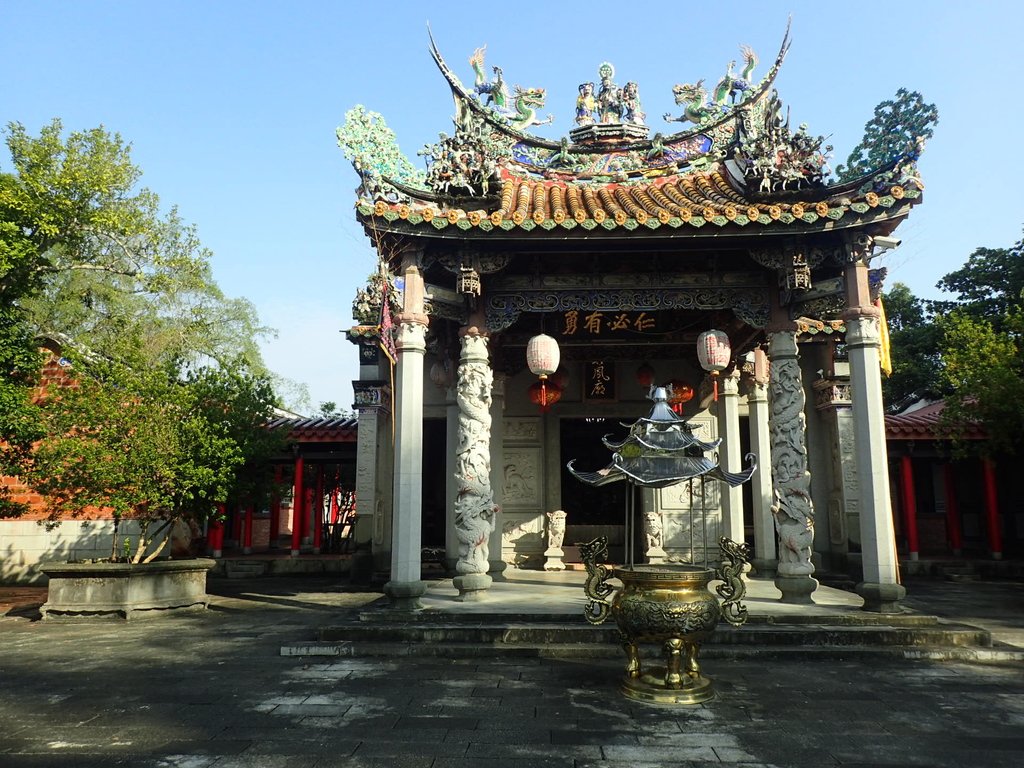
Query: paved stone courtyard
{"points": [[211, 689]]}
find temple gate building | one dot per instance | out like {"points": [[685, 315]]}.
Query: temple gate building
{"points": [[624, 245]]}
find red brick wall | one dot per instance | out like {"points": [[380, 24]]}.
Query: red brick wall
{"points": [[53, 374]]}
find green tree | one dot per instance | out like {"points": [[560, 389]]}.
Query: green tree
{"points": [[982, 360], [915, 349], [168, 412], [988, 287], [983, 369], [155, 445]]}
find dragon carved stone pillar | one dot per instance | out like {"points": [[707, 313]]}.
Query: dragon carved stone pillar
{"points": [[475, 510], [792, 508]]}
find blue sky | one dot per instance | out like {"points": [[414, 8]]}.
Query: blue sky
{"points": [[231, 108]]}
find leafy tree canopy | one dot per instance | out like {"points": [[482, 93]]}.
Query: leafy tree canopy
{"points": [[915, 349], [988, 286], [171, 395]]}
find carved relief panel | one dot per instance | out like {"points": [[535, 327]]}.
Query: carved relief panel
{"points": [[523, 538], [686, 507]]}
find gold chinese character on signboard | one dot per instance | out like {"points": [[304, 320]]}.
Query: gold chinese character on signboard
{"points": [[621, 321], [571, 318], [599, 381], [592, 322], [643, 322]]}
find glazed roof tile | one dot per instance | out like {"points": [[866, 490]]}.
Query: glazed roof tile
{"points": [[925, 424], [692, 200], [336, 429]]}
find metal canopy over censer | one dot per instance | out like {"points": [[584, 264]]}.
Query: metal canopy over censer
{"points": [[665, 603]]}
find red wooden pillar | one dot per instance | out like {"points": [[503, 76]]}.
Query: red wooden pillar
{"points": [[247, 541], [215, 533], [318, 509], [275, 508], [909, 506], [954, 532], [298, 497], [236, 525], [995, 533]]}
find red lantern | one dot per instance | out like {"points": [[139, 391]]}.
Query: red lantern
{"points": [[645, 375], [713, 352], [681, 393], [544, 396]]}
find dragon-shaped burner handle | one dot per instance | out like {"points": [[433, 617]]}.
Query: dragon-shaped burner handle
{"points": [[597, 587], [732, 588]]}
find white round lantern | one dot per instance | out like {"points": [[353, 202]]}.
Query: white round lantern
{"points": [[713, 351], [542, 355]]}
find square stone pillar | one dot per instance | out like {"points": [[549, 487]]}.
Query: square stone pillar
{"points": [[880, 589], [765, 559], [405, 586], [731, 454]]}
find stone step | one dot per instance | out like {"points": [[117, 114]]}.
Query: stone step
{"points": [[590, 651], [244, 569], [462, 637]]}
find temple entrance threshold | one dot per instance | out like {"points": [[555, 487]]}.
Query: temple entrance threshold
{"points": [[591, 512]]}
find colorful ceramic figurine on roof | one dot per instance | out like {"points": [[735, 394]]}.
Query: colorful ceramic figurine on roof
{"points": [[586, 104]]}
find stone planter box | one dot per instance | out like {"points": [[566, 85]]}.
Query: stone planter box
{"points": [[124, 590]]}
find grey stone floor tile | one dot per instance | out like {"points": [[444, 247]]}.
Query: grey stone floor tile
{"points": [[386, 748]]}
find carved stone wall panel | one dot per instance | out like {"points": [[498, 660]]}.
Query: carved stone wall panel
{"points": [[522, 430], [522, 480], [680, 547], [522, 538]]}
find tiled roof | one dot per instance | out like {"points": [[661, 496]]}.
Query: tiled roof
{"points": [[338, 429], [692, 200], [925, 424]]}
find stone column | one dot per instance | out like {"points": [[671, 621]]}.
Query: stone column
{"points": [[451, 539], [765, 560], [405, 587], [475, 510], [372, 402], [832, 400], [497, 564], [880, 588], [792, 508], [731, 454]]}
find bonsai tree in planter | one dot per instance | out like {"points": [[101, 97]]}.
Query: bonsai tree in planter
{"points": [[165, 410], [156, 445]]}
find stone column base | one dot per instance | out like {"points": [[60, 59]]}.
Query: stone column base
{"points": [[405, 595], [656, 556], [881, 598], [796, 589], [496, 569], [554, 557], [763, 569], [471, 586]]}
